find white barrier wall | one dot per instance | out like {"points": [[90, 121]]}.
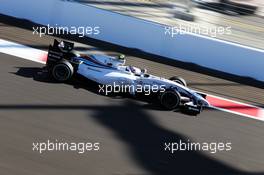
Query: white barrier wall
{"points": [[144, 35]]}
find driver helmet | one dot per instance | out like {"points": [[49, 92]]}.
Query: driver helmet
{"points": [[121, 56]]}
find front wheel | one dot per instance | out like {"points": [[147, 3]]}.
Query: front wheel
{"points": [[179, 80], [170, 99], [62, 71]]}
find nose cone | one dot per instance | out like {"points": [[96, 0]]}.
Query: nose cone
{"points": [[204, 102], [201, 100]]}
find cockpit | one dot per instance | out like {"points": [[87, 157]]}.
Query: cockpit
{"points": [[137, 71]]}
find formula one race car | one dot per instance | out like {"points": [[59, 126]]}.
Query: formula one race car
{"points": [[112, 75]]}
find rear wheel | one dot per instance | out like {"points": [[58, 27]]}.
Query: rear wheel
{"points": [[179, 80], [170, 100], [62, 71]]}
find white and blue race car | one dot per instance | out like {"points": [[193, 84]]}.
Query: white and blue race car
{"points": [[112, 75]]}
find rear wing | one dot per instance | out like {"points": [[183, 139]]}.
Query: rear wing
{"points": [[63, 46], [58, 51]]}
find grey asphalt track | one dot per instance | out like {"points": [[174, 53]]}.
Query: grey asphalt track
{"points": [[131, 133]]}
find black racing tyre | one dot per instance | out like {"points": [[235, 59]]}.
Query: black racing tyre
{"points": [[179, 80], [62, 71], [170, 99]]}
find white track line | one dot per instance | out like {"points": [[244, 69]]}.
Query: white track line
{"points": [[22, 51]]}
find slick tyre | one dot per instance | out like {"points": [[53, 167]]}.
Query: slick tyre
{"points": [[62, 71], [170, 100], [179, 80]]}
